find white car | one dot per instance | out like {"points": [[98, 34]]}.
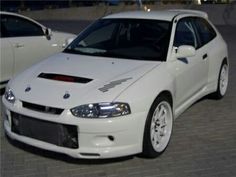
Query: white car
{"points": [[117, 88], [25, 42]]}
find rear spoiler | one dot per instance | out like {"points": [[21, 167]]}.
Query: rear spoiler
{"points": [[195, 12]]}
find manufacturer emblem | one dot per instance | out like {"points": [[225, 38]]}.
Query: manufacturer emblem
{"points": [[66, 96], [28, 88]]}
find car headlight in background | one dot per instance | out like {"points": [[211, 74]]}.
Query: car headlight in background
{"points": [[101, 110], [9, 95]]}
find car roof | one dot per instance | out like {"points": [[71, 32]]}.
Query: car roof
{"points": [[166, 15]]}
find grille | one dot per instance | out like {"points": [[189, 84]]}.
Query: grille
{"points": [[50, 132], [41, 108]]}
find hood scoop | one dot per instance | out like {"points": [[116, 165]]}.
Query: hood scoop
{"points": [[64, 78]]}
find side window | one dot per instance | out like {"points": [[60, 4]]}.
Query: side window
{"points": [[205, 30], [12, 26], [3, 30], [185, 34]]}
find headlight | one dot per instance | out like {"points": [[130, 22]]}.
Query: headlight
{"points": [[9, 95], [101, 110]]}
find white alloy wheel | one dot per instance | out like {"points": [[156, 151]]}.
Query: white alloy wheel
{"points": [[161, 126], [158, 127], [223, 80]]}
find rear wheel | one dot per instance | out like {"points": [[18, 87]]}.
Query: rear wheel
{"points": [[158, 128], [222, 81]]}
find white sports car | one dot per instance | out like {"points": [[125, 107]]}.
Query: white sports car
{"points": [[25, 42], [117, 88]]}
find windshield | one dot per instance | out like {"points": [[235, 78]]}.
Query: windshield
{"points": [[138, 39]]}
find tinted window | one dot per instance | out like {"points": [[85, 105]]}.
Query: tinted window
{"points": [[185, 34], [205, 30], [99, 36], [12, 26], [124, 38]]}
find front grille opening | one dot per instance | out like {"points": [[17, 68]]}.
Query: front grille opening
{"points": [[64, 78], [41, 108], [54, 133]]}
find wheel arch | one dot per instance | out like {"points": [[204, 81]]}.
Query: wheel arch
{"points": [[225, 59], [168, 95]]}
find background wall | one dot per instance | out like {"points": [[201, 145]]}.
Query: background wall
{"points": [[220, 14]]}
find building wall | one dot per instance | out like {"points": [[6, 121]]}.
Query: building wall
{"points": [[219, 14]]}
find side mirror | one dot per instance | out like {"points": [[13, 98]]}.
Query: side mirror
{"points": [[48, 33], [185, 51]]}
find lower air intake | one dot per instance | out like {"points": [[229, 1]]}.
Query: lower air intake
{"points": [[54, 133]]}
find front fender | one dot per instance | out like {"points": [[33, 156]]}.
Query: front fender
{"points": [[141, 94]]}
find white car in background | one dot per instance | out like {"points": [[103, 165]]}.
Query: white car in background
{"points": [[117, 88], [25, 42]]}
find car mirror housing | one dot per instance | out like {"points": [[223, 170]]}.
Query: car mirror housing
{"points": [[48, 33], [185, 51]]}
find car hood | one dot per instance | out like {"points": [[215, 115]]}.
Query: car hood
{"points": [[68, 80]]}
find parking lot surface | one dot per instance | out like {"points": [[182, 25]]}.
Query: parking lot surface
{"points": [[203, 143]]}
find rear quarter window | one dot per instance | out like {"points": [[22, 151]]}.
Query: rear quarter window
{"points": [[205, 30]]}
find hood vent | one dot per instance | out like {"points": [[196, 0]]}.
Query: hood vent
{"points": [[112, 84], [64, 78]]}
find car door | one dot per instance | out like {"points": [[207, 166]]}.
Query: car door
{"points": [[191, 72], [28, 41], [206, 35]]}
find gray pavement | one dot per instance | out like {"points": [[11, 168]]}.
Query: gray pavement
{"points": [[203, 142]]}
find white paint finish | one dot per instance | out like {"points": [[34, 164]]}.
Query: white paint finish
{"points": [[166, 15], [185, 51], [155, 15], [187, 80], [78, 65], [190, 74]]}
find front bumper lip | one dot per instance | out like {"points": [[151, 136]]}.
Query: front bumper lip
{"points": [[92, 134]]}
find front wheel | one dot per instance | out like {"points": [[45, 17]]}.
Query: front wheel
{"points": [[222, 81], [158, 128]]}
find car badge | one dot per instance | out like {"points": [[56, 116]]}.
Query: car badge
{"points": [[28, 88], [66, 96]]}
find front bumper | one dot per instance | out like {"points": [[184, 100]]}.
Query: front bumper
{"points": [[97, 138]]}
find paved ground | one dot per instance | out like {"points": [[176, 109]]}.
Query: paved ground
{"points": [[203, 142]]}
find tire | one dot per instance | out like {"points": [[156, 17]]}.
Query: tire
{"points": [[158, 128], [223, 79]]}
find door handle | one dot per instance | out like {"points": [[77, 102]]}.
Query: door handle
{"points": [[204, 56], [19, 45]]}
